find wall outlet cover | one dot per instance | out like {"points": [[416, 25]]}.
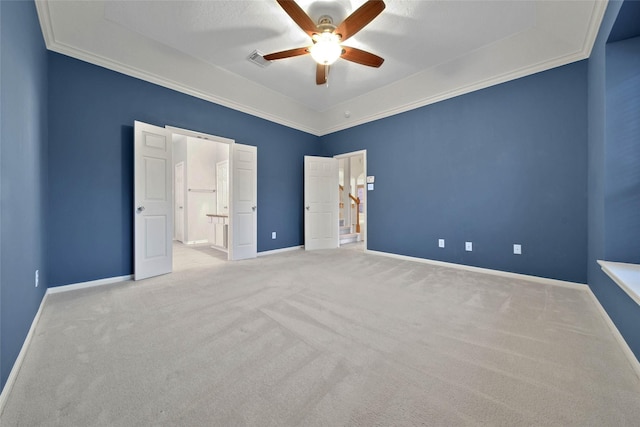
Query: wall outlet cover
{"points": [[441, 243], [517, 249], [468, 246], [273, 234]]}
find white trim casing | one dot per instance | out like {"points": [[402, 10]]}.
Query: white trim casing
{"points": [[199, 135]]}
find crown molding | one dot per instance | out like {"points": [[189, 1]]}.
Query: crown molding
{"points": [[177, 86], [599, 9], [44, 16], [332, 120], [336, 122], [462, 90]]}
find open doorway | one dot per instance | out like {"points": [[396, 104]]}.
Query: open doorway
{"points": [[223, 193], [155, 202], [352, 173], [201, 198]]}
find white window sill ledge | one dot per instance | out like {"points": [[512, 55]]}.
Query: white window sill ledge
{"points": [[627, 276]]}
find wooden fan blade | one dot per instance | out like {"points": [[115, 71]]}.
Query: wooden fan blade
{"points": [[299, 16], [287, 53], [322, 71], [361, 57], [360, 18]]}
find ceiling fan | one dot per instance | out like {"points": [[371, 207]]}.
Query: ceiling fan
{"points": [[327, 38]]}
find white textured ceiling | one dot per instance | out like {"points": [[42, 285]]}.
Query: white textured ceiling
{"points": [[433, 50]]}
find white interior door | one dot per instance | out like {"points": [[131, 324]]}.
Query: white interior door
{"points": [[321, 204], [152, 201], [244, 202], [178, 195]]}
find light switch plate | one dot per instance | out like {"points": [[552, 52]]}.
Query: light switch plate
{"points": [[273, 234], [517, 249]]}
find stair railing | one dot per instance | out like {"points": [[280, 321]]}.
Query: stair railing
{"points": [[357, 202]]}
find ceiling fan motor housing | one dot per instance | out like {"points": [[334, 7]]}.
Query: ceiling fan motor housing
{"points": [[325, 24], [327, 38]]}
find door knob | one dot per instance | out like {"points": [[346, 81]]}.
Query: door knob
{"points": [[253, 208], [308, 207], [140, 209]]}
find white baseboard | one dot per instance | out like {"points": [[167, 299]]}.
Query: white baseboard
{"points": [[25, 345], [89, 284], [277, 251], [635, 363], [8, 386], [518, 276]]}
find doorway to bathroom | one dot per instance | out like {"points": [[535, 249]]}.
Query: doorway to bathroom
{"points": [[198, 189], [201, 191], [200, 200]]}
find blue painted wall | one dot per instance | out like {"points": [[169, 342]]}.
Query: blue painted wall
{"points": [[614, 162], [90, 208], [622, 133], [23, 166], [503, 165]]}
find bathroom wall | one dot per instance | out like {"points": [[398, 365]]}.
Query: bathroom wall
{"points": [[201, 181]]}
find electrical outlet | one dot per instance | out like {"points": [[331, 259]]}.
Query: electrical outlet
{"points": [[517, 249], [441, 243], [468, 246], [37, 277], [273, 235]]}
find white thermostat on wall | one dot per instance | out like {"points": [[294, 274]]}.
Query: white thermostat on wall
{"points": [[371, 179]]}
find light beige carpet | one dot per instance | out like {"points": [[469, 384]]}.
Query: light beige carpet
{"points": [[327, 338]]}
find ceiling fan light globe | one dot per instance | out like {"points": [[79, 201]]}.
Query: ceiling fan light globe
{"points": [[326, 49]]}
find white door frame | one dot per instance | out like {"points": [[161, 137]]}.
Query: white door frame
{"points": [[177, 209], [362, 153], [185, 132], [223, 209]]}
